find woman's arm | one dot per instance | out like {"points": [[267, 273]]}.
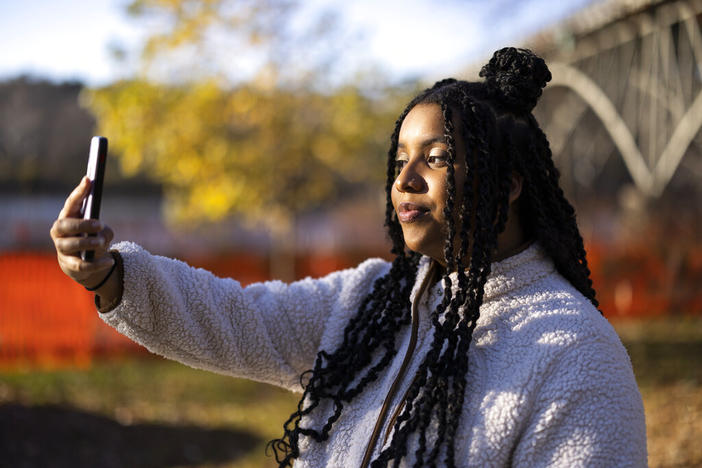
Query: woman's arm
{"points": [[268, 332]]}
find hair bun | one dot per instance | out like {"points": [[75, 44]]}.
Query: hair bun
{"points": [[516, 78], [444, 82]]}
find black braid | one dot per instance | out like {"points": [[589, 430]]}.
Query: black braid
{"points": [[501, 138]]}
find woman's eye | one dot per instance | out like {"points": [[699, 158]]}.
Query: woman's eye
{"points": [[439, 160], [400, 163]]}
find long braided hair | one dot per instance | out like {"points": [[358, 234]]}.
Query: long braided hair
{"points": [[502, 137]]}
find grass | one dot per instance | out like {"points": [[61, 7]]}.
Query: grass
{"points": [[157, 413], [171, 404], [667, 358]]}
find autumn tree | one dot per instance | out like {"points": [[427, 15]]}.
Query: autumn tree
{"points": [[262, 144]]}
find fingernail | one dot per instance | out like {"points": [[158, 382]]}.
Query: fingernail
{"points": [[96, 225]]}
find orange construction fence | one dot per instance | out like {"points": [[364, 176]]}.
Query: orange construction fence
{"points": [[48, 320]]}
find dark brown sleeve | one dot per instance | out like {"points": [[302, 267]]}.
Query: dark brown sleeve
{"points": [[119, 270]]}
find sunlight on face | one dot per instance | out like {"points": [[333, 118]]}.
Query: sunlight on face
{"points": [[419, 193]]}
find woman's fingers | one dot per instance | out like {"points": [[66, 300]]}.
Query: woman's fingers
{"points": [[85, 272], [75, 245], [107, 234], [74, 202], [66, 227]]}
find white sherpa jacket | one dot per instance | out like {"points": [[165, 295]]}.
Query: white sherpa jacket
{"points": [[549, 382]]}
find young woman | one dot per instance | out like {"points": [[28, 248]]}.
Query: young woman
{"points": [[479, 345]]}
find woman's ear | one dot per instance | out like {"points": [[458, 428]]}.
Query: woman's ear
{"points": [[515, 188]]}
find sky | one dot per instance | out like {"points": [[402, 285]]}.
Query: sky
{"points": [[71, 39]]}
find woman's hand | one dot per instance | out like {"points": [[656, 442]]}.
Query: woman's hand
{"points": [[68, 233]]}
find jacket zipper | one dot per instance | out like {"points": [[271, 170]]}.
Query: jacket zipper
{"points": [[396, 383], [397, 412]]}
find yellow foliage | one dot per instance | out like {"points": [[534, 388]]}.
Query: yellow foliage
{"points": [[221, 152], [260, 149]]}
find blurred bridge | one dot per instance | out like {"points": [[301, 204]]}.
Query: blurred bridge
{"points": [[627, 87]]}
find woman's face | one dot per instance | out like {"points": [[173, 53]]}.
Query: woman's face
{"points": [[419, 193]]}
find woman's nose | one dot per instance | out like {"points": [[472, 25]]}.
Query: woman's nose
{"points": [[409, 180]]}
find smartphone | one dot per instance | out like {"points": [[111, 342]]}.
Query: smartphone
{"points": [[96, 174]]}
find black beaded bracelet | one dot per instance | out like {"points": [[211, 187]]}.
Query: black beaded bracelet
{"points": [[109, 273]]}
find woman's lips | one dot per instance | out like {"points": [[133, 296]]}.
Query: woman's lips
{"points": [[409, 212]]}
